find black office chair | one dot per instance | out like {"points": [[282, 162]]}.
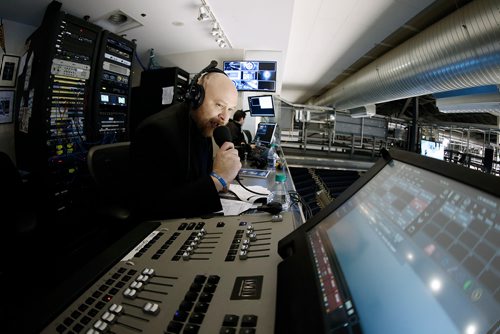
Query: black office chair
{"points": [[248, 136], [16, 200], [109, 166]]}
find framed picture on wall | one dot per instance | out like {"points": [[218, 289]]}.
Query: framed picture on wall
{"points": [[6, 106], [8, 71]]}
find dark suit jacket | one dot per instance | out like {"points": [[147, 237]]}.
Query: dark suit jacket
{"points": [[171, 163]]}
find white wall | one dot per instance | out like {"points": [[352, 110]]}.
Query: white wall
{"points": [[15, 36]]}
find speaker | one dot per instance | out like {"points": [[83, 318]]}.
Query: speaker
{"points": [[195, 92]]}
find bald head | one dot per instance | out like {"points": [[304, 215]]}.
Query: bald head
{"points": [[219, 103], [219, 82]]}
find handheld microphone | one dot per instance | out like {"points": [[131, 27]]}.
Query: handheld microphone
{"points": [[222, 135]]}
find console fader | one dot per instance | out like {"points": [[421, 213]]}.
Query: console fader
{"points": [[214, 275]]}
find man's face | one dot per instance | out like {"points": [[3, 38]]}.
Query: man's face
{"points": [[219, 103]]}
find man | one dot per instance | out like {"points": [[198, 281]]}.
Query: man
{"points": [[235, 125], [172, 156]]}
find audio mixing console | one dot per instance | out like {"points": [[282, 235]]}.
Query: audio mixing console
{"points": [[214, 275]]}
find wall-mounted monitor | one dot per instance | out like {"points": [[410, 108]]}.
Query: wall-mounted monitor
{"points": [[252, 75], [432, 149], [261, 106]]}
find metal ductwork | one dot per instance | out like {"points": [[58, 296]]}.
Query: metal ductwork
{"points": [[460, 51]]}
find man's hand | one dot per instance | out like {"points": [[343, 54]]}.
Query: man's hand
{"points": [[226, 163]]}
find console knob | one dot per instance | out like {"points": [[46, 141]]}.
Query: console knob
{"points": [[243, 255]]}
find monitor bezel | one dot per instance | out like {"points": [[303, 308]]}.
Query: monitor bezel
{"points": [[257, 61], [252, 113], [294, 248]]}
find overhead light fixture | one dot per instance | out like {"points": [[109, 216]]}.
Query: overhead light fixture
{"points": [[215, 29], [205, 14]]}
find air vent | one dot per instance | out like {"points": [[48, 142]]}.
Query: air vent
{"points": [[117, 22]]}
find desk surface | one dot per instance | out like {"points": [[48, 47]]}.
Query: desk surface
{"points": [[268, 182]]}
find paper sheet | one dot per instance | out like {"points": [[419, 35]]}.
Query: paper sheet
{"points": [[247, 196], [233, 207]]}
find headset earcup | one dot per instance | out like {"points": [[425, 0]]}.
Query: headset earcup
{"points": [[197, 95]]}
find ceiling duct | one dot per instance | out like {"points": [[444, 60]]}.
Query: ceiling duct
{"points": [[460, 51], [485, 99]]}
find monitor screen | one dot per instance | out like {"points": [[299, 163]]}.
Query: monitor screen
{"points": [[265, 133], [410, 252], [261, 106], [432, 149], [250, 75]]}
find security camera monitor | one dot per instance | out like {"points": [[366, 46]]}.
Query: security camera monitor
{"points": [[252, 75], [432, 149], [261, 106], [411, 247]]}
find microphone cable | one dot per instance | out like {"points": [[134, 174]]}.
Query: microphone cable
{"points": [[241, 184]]}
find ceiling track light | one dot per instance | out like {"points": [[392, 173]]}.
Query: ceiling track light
{"points": [[206, 14], [203, 15], [215, 29]]}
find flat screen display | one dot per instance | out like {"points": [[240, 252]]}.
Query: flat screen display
{"points": [[410, 252], [261, 106], [265, 133], [432, 149], [251, 75]]}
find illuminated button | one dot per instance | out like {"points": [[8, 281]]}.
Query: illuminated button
{"points": [[245, 242], [252, 236], [186, 256], [244, 247], [250, 228]]}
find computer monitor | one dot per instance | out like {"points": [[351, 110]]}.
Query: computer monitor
{"points": [[252, 75], [265, 133], [261, 106], [406, 249], [432, 149]]}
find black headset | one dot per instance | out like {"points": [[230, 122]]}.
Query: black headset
{"points": [[195, 92]]}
